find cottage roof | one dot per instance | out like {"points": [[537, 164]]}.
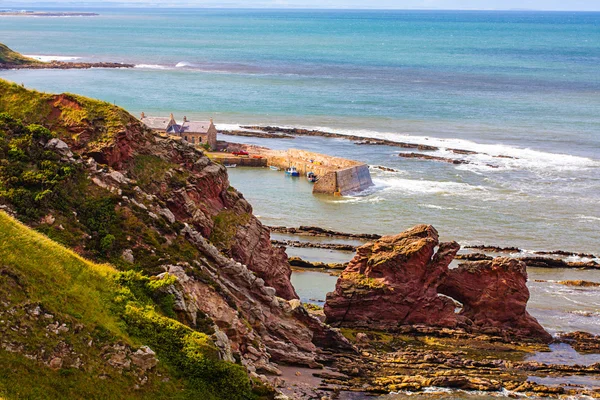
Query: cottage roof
{"points": [[158, 123], [194, 127]]}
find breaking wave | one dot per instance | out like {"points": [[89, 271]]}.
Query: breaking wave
{"points": [[53, 58]]}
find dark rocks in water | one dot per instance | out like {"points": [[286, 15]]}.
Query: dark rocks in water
{"points": [[495, 249], [582, 342], [66, 65], [329, 246], [402, 280], [579, 283], [316, 231], [264, 135], [404, 145], [433, 158], [386, 169], [547, 262], [359, 139], [300, 263], [474, 257], [463, 152], [565, 254]]}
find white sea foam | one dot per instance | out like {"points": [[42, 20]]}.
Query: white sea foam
{"points": [[184, 64], [488, 154], [440, 391], [151, 66], [53, 58], [434, 207], [588, 218], [413, 186]]}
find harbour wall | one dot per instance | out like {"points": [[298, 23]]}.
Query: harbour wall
{"points": [[337, 176]]}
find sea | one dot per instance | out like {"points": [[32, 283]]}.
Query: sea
{"points": [[521, 85]]}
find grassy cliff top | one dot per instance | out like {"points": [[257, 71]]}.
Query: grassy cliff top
{"points": [[11, 57], [85, 124]]}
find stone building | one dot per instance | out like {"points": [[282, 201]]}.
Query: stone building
{"points": [[195, 132]]}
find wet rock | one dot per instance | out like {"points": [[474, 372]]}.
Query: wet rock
{"points": [[474, 257], [316, 231], [433, 158], [328, 246], [579, 283], [65, 65], [495, 249], [547, 262], [583, 342], [300, 263]]}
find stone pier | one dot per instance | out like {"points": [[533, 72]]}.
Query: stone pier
{"points": [[337, 176]]}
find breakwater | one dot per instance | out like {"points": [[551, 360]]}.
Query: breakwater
{"points": [[336, 175]]}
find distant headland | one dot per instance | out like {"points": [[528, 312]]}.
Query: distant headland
{"points": [[26, 13], [10, 59]]}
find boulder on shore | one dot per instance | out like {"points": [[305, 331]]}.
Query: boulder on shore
{"points": [[405, 280]]}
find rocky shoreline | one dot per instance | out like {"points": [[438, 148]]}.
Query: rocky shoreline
{"points": [[297, 262], [328, 246], [65, 65], [274, 132], [321, 232], [418, 325]]}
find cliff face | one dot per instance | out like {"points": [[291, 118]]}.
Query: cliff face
{"points": [[402, 280], [201, 196], [124, 195]]}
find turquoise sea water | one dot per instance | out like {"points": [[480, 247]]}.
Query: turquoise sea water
{"points": [[520, 84]]}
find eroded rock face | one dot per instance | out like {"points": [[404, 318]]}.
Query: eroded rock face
{"points": [[494, 295], [402, 280], [394, 282], [191, 190]]}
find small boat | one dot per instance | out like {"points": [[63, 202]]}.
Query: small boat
{"points": [[274, 168], [230, 165], [292, 171], [311, 177]]}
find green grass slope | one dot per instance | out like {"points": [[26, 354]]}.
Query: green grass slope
{"points": [[80, 121], [11, 57], [55, 304]]}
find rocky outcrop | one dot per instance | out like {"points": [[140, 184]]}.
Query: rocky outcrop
{"points": [[328, 246], [298, 262], [394, 282], [402, 280], [494, 296], [66, 65], [432, 158], [316, 231]]}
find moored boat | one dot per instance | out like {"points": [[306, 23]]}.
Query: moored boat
{"points": [[311, 177], [230, 165], [274, 168], [292, 171]]}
